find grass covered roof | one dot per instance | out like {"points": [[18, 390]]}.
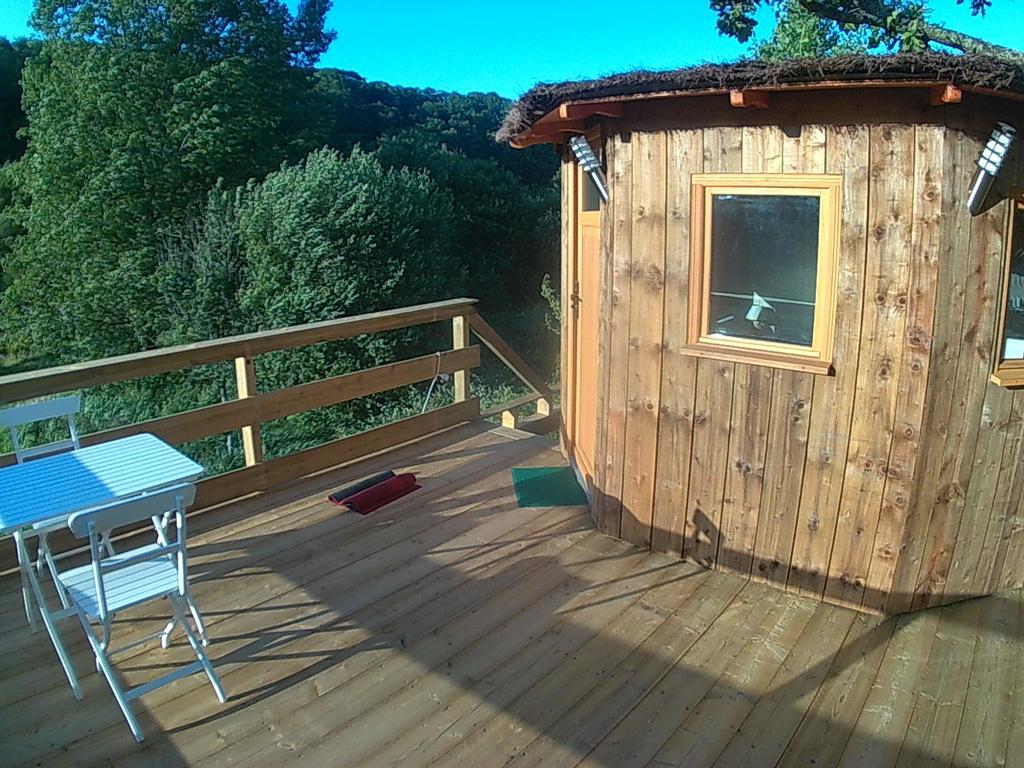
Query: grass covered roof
{"points": [[967, 71]]}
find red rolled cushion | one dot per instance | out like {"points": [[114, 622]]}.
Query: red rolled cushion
{"points": [[377, 496], [339, 497]]}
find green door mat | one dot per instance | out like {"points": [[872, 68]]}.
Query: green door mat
{"points": [[547, 487]]}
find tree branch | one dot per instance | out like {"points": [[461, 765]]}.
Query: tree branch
{"points": [[897, 22], [968, 44]]}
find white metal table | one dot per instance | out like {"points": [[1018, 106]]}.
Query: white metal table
{"points": [[55, 487]]}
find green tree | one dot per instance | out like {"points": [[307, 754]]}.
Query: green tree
{"points": [[336, 236], [135, 111], [202, 270], [505, 201], [903, 24], [9, 218], [323, 238], [168, 195], [364, 113], [12, 118], [201, 31], [798, 32], [499, 220]]}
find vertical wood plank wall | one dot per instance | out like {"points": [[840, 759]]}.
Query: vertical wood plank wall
{"points": [[892, 485]]}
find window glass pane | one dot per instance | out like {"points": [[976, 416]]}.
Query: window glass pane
{"points": [[764, 265], [591, 197], [1013, 330]]}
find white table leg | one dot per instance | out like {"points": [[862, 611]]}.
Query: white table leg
{"points": [[24, 563], [29, 573]]}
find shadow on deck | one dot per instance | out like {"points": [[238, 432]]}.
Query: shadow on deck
{"points": [[454, 628]]}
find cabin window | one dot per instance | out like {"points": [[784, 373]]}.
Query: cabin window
{"points": [[763, 269], [591, 198], [1010, 351]]}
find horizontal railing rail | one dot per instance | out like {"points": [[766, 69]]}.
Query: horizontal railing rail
{"points": [[252, 408], [48, 381], [231, 415]]}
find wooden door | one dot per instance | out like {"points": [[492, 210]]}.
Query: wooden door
{"points": [[585, 299]]}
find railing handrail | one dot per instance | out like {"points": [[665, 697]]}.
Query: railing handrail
{"points": [[254, 407], [91, 373]]}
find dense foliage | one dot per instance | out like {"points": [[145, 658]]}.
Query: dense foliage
{"points": [[798, 32], [183, 173], [12, 118], [133, 115], [829, 27]]}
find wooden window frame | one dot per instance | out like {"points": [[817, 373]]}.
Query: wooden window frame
{"points": [[1007, 373], [816, 358]]}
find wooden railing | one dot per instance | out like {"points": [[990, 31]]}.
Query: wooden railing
{"points": [[253, 407]]}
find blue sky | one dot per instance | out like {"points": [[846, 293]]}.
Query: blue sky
{"points": [[467, 45]]}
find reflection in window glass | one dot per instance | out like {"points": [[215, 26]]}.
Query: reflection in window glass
{"points": [[764, 263], [1013, 329], [591, 197]]}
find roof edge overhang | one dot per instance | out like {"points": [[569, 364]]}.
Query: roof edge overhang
{"points": [[572, 115]]}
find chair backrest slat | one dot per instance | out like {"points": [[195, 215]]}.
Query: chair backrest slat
{"points": [[23, 415], [55, 408], [109, 565], [45, 450], [132, 510]]}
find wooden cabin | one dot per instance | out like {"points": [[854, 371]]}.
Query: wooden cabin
{"points": [[789, 348]]}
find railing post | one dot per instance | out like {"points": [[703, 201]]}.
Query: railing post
{"points": [[245, 379], [460, 339]]}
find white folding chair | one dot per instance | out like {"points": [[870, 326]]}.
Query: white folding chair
{"points": [[14, 419], [24, 415], [111, 583]]}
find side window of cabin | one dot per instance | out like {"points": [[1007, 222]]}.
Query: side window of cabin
{"points": [[590, 199], [763, 268], [1010, 351]]}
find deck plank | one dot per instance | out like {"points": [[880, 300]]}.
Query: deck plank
{"points": [[499, 691], [713, 722], [985, 726], [327, 576], [455, 628], [373, 675], [635, 739], [931, 734], [439, 466], [882, 726], [765, 733], [832, 716], [260, 656], [358, 737], [321, 660], [1015, 737], [505, 735], [584, 724]]}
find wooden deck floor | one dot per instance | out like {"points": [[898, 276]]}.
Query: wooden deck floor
{"points": [[455, 629]]}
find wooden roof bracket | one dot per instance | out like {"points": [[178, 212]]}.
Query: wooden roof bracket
{"points": [[748, 98], [945, 94], [567, 118], [549, 132], [567, 111]]}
